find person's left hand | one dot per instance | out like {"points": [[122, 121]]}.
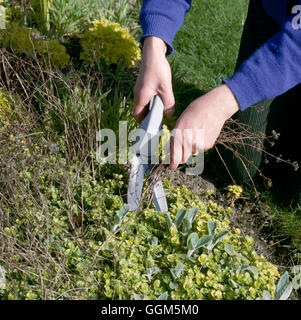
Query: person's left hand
{"points": [[208, 113]]}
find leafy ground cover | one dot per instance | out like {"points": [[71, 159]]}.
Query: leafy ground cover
{"points": [[66, 232], [206, 49]]}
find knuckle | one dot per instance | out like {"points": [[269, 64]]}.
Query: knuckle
{"points": [[170, 105]]}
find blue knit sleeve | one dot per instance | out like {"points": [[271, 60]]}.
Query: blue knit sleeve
{"points": [[273, 69], [163, 18]]}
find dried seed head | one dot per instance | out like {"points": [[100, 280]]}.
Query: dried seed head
{"points": [[279, 158], [275, 135], [295, 165]]}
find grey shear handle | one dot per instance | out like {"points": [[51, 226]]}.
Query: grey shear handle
{"points": [[153, 121], [151, 127]]}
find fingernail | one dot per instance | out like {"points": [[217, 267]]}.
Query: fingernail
{"points": [[168, 111]]}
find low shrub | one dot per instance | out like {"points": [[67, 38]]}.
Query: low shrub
{"points": [[109, 41], [5, 108], [30, 42], [67, 234]]}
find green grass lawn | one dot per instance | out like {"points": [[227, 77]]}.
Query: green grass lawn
{"points": [[208, 42]]}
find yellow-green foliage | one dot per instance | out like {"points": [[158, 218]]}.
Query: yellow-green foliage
{"points": [[72, 222], [232, 270], [109, 41], [13, 14], [164, 142], [11, 109], [234, 190], [234, 193], [30, 42], [5, 108]]}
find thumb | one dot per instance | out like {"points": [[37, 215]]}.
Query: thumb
{"points": [[141, 100]]}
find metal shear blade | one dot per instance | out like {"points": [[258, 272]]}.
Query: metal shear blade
{"points": [[141, 161]]}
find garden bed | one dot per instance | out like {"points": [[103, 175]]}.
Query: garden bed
{"points": [[65, 228]]}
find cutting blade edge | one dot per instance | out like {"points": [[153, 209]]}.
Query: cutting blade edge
{"points": [[135, 183], [159, 197]]}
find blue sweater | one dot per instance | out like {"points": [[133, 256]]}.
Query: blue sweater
{"points": [[271, 70]]}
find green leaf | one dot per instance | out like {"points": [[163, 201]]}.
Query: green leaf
{"points": [[163, 296], [192, 241], [123, 211], [120, 215], [180, 216], [168, 220], [192, 213], [216, 239], [179, 267], [284, 287], [266, 295], [253, 269], [220, 236], [191, 259], [229, 249], [287, 292], [203, 241], [235, 284], [296, 282], [189, 253], [155, 242], [188, 219], [187, 225], [177, 270], [172, 285], [137, 297], [116, 222], [211, 227], [153, 270]]}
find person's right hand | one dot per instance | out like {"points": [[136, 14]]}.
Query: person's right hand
{"points": [[154, 78]]}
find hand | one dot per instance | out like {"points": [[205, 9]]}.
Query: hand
{"points": [[154, 77], [208, 113]]}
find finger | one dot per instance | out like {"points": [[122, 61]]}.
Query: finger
{"points": [[187, 145], [168, 102], [176, 150], [169, 112], [141, 100]]}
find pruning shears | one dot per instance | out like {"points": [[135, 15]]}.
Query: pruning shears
{"points": [[145, 153]]}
